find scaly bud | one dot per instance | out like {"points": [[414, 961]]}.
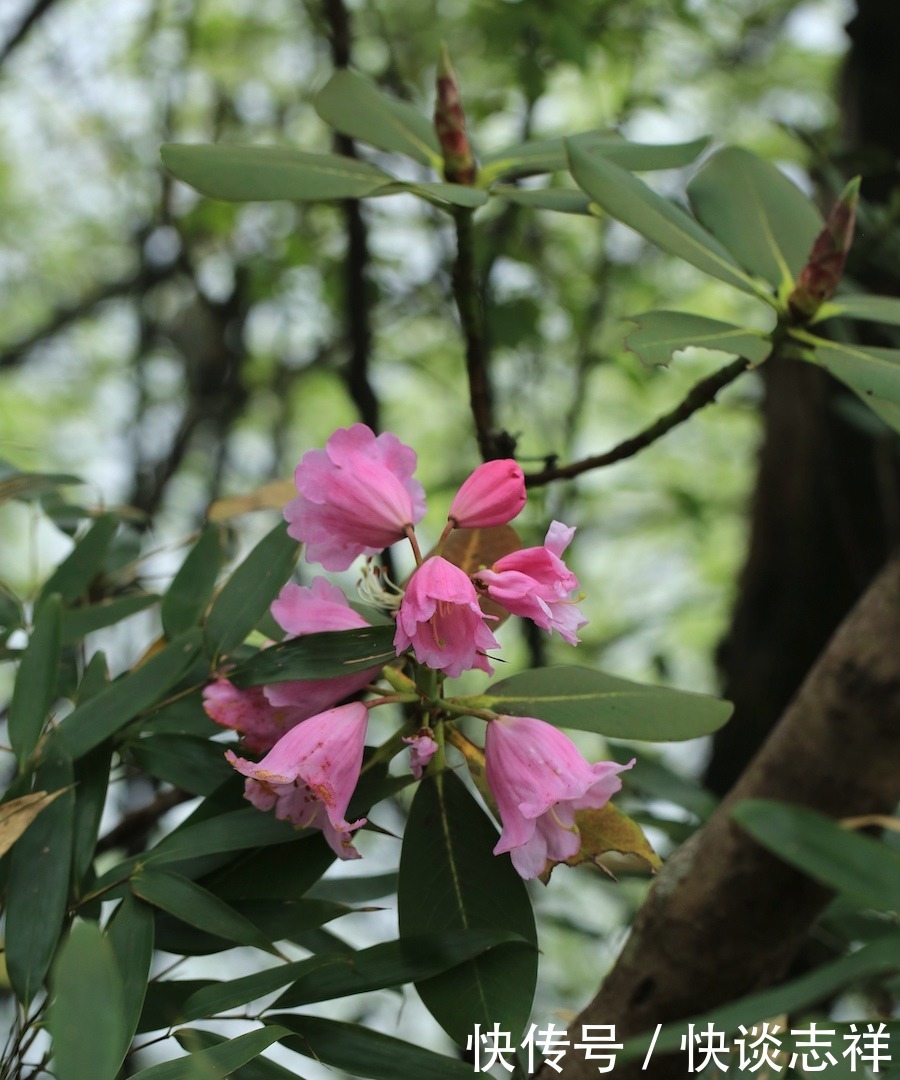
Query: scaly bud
{"points": [[819, 279], [450, 126]]}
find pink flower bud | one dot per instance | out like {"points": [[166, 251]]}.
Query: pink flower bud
{"points": [[357, 496], [819, 279], [422, 749], [440, 618], [493, 495], [450, 126], [539, 779], [310, 774]]}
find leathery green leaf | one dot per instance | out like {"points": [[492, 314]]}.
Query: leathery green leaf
{"points": [[850, 863], [764, 220], [196, 906], [660, 334], [76, 572], [35, 687], [450, 881], [111, 709], [872, 373], [246, 595], [319, 656], [215, 1062], [355, 106], [38, 884], [630, 201], [130, 933], [85, 1019], [884, 309], [261, 173], [188, 596], [578, 697], [362, 1052]]}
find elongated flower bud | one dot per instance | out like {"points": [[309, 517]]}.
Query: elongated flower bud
{"points": [[450, 126], [819, 279]]}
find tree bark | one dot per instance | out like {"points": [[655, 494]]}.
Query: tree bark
{"points": [[724, 918]]}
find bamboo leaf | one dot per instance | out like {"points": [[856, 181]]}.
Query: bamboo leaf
{"points": [[215, 1062], [319, 656], [262, 173], [130, 933], [35, 687], [660, 334], [78, 622], [76, 572], [577, 697], [187, 597]]}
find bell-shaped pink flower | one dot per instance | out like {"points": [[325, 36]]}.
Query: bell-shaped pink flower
{"points": [[251, 713], [357, 496], [441, 619], [310, 774], [492, 495], [313, 610], [422, 749], [537, 584], [539, 779]]}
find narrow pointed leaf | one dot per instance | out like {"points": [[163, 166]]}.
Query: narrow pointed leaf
{"points": [[35, 687], [362, 1052], [85, 1019], [319, 656], [885, 309], [130, 933], [660, 334], [262, 173], [196, 906], [763, 219], [215, 1062], [258, 1068], [187, 597], [355, 106], [38, 884], [91, 785], [549, 155], [630, 201], [17, 814], [450, 880], [438, 193], [94, 679], [76, 572], [562, 200], [577, 697], [110, 710], [852, 864], [195, 765], [77, 622], [246, 595]]}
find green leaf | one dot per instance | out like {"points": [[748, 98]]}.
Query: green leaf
{"points": [[183, 716], [319, 656], [549, 155], [91, 785], [38, 885], [232, 831], [110, 710], [630, 201], [78, 622], [355, 106], [258, 1069], [850, 863], [187, 597], [85, 1018], [881, 957], [764, 220], [76, 572], [885, 309], [35, 687], [26, 486], [660, 334], [451, 881], [196, 906], [577, 697], [562, 200], [130, 934], [195, 765], [216, 1062], [356, 890], [261, 173], [94, 679], [873, 373], [246, 595], [276, 874], [217, 997], [438, 193], [362, 1052]]}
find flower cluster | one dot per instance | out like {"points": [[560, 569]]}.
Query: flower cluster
{"points": [[355, 498]]}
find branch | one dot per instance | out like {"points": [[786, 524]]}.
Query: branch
{"points": [[704, 393], [29, 19], [725, 918]]}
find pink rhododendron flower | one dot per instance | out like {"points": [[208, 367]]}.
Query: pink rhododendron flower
{"points": [[356, 496], [539, 779], [422, 749], [537, 584], [320, 607], [441, 619], [492, 495], [250, 713], [310, 774]]}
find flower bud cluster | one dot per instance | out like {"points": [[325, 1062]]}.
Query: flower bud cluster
{"points": [[355, 498]]}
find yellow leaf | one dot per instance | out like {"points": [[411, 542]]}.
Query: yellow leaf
{"points": [[18, 814], [605, 830], [271, 496], [474, 549]]}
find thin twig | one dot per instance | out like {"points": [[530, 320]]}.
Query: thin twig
{"points": [[28, 21], [702, 394]]}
